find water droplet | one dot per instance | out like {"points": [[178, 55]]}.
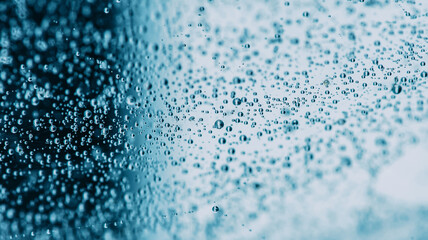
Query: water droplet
{"points": [[396, 88], [215, 209], [219, 124]]}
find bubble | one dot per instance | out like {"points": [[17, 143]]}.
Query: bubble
{"points": [[53, 128], [396, 89], [215, 209], [14, 130], [219, 124], [131, 100], [237, 101], [243, 138], [87, 113]]}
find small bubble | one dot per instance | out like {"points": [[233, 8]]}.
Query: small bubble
{"points": [[219, 124], [237, 101], [215, 209], [131, 100], [396, 88], [52, 128], [14, 130], [88, 114], [326, 83]]}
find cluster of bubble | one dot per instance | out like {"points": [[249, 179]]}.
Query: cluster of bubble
{"points": [[253, 103], [201, 119], [61, 128]]}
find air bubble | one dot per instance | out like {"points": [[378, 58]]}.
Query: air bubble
{"points": [[219, 124]]}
